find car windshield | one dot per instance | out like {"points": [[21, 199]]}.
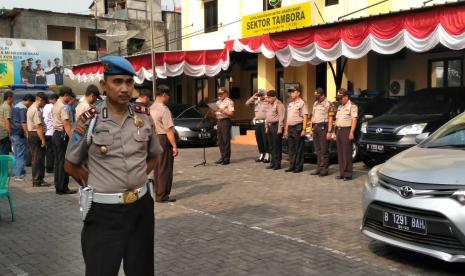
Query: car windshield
{"points": [[451, 135], [423, 104], [185, 111]]}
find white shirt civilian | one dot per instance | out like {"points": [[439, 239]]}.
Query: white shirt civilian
{"points": [[50, 77], [47, 113]]}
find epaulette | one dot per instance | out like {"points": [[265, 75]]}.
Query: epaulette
{"points": [[88, 115], [138, 108]]}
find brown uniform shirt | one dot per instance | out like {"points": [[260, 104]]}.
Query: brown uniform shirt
{"points": [[34, 117], [59, 114], [260, 107], [321, 111], [124, 166], [226, 104], [5, 114], [276, 113], [345, 114], [296, 111], [162, 117], [82, 107]]}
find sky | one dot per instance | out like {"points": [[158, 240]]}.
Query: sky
{"points": [[74, 6]]}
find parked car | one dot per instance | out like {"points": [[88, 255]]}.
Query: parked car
{"points": [[368, 108], [191, 126], [416, 200], [422, 111]]}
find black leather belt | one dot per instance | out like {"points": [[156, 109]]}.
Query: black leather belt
{"points": [[321, 124]]}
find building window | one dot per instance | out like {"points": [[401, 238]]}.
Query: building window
{"points": [[331, 2], [68, 45], [211, 16], [268, 6], [253, 84], [135, 45], [445, 73], [201, 92]]}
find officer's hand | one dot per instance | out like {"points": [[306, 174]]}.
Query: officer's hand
{"points": [[351, 136], [328, 136], [280, 131], [43, 145], [286, 134], [302, 133], [175, 152], [221, 110]]}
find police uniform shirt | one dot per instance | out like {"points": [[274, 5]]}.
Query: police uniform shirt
{"points": [[296, 111], [162, 117], [34, 117], [59, 114], [345, 114], [117, 152], [226, 104], [82, 107], [275, 113], [321, 111], [260, 107]]}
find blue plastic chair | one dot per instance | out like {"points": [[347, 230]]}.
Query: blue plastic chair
{"points": [[7, 164]]}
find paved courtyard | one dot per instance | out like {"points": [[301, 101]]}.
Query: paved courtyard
{"points": [[229, 220]]}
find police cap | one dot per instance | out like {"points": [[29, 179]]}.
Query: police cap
{"points": [[114, 65]]}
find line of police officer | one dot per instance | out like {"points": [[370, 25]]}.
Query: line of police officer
{"points": [[272, 121]]}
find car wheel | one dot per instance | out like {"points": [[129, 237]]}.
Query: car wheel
{"points": [[368, 161], [354, 152]]}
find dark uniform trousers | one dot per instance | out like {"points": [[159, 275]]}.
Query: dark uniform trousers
{"points": [[275, 141], [163, 172], [224, 138], [296, 147], [37, 158], [344, 151], [260, 136], [321, 147], [115, 232], [49, 154], [5, 146], [60, 142]]}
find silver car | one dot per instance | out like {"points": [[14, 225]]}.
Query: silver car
{"points": [[416, 200]]}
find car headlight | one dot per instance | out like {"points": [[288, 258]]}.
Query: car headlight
{"points": [[363, 127], [459, 196], [373, 176], [181, 128], [414, 129]]}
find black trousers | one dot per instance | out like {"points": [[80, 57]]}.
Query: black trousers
{"points": [[115, 232], [296, 147], [37, 158], [5, 146], [275, 140], [320, 144], [163, 172], [49, 154], [224, 138], [344, 151], [262, 140], [60, 142]]}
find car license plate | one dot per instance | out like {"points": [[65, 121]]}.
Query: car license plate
{"points": [[375, 148], [404, 223], [205, 135]]}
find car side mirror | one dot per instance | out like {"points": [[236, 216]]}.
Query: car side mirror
{"points": [[421, 137], [368, 117]]}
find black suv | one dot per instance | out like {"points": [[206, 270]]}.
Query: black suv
{"points": [[422, 111]]}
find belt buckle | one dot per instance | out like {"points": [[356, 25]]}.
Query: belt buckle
{"points": [[130, 196]]}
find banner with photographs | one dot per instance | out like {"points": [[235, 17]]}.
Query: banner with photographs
{"points": [[26, 61]]}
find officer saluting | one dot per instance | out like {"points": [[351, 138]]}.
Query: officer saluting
{"points": [[118, 143], [260, 105], [275, 124], [322, 126], [297, 115], [346, 122]]}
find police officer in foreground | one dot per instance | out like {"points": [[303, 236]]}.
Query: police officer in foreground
{"points": [[223, 115], [163, 120], [346, 122], [118, 143], [260, 105], [274, 130], [296, 123], [322, 127]]}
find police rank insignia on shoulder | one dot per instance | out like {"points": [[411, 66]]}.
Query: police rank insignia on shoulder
{"points": [[141, 109], [89, 114]]}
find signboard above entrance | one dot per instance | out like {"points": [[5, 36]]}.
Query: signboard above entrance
{"points": [[277, 20]]}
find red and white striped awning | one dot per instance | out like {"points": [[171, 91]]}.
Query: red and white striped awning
{"points": [[418, 31], [167, 64]]}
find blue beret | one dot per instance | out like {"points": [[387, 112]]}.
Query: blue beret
{"points": [[114, 65]]}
